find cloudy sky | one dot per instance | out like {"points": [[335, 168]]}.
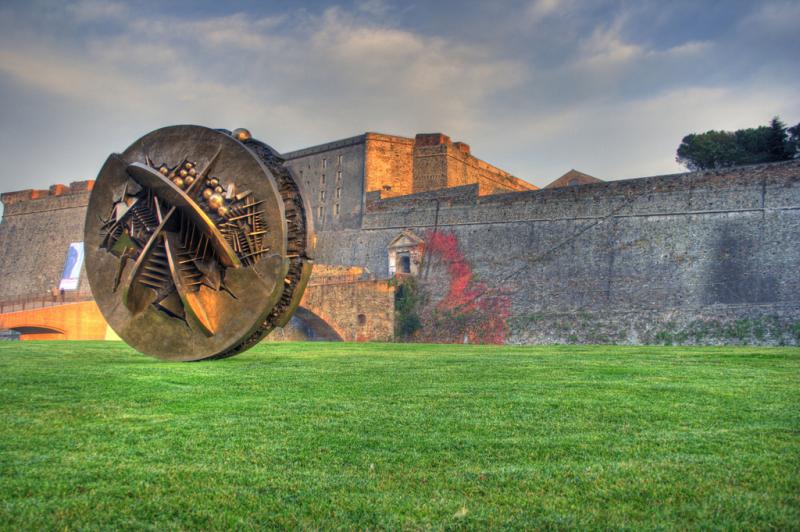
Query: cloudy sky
{"points": [[536, 87]]}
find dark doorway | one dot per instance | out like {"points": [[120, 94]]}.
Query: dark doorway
{"points": [[404, 263], [312, 327]]}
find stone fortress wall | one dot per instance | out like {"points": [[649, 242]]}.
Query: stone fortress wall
{"points": [[35, 233], [699, 257], [704, 257], [331, 177], [440, 163], [338, 175], [389, 166]]}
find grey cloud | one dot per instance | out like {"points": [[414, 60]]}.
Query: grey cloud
{"points": [[329, 77], [550, 86], [93, 10]]}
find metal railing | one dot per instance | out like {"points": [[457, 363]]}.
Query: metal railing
{"points": [[339, 279], [34, 301]]}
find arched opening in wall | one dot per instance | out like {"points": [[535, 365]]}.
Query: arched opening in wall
{"points": [[405, 254], [403, 262], [37, 332], [362, 319], [305, 325]]}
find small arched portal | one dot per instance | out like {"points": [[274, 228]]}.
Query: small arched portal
{"points": [[305, 325], [38, 332], [71, 321], [405, 254]]}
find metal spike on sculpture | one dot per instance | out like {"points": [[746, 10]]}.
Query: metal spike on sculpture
{"points": [[198, 242]]}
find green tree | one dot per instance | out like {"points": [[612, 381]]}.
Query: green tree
{"points": [[755, 145], [408, 298], [712, 149], [778, 144], [794, 140], [722, 149]]}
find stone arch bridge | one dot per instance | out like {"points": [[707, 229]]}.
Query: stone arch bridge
{"points": [[351, 310]]}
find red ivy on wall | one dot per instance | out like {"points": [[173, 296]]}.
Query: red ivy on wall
{"points": [[469, 308]]}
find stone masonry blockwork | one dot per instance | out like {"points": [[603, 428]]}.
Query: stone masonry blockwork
{"points": [[706, 257]]}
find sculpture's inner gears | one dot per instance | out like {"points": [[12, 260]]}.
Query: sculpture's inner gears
{"points": [[180, 227], [298, 235]]}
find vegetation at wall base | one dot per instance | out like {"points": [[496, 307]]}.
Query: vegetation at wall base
{"points": [[356, 436], [408, 300]]}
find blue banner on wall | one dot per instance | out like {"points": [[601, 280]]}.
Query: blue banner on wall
{"points": [[72, 267]]}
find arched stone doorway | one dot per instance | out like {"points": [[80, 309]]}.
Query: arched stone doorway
{"points": [[306, 326]]}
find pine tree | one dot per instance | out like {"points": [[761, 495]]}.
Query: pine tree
{"points": [[794, 140], [777, 141]]}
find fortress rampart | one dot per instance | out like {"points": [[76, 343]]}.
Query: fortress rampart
{"points": [[36, 230], [706, 257], [338, 176]]}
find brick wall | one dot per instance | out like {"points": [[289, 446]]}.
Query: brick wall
{"points": [[389, 165], [357, 311], [332, 179], [441, 163], [430, 167], [35, 233], [703, 257]]}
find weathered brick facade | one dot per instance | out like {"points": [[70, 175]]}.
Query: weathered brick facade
{"points": [[35, 233], [707, 257], [440, 163], [338, 175], [358, 311], [704, 257], [389, 167]]}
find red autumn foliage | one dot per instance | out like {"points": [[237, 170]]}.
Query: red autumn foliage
{"points": [[470, 307]]}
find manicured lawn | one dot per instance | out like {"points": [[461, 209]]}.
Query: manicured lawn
{"points": [[93, 435]]}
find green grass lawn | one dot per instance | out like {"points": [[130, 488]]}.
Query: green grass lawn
{"points": [[94, 435]]}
